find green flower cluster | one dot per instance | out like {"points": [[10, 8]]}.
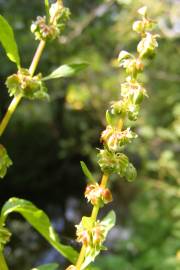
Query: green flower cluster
{"points": [[90, 236], [98, 195], [110, 159], [50, 28], [26, 85], [111, 162], [5, 161]]}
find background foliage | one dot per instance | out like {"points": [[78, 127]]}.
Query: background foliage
{"points": [[47, 140]]}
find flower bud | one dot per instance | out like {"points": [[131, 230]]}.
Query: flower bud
{"points": [[147, 46], [71, 267], [143, 11], [124, 55], [106, 196], [138, 27]]}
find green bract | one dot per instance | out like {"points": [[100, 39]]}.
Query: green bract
{"points": [[5, 161], [26, 85]]}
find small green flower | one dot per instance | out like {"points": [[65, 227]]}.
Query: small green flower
{"points": [[5, 161]]}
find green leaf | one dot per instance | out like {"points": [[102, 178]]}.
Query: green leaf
{"points": [[40, 221], [66, 71], [46, 3], [86, 172], [52, 266], [108, 222], [8, 41]]}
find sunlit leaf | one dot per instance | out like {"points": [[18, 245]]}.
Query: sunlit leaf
{"points": [[8, 41], [40, 221], [87, 172], [66, 71]]}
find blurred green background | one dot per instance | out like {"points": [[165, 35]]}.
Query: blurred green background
{"points": [[47, 140]]}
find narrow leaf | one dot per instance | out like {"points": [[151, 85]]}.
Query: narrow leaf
{"points": [[86, 172], [8, 41], [52, 266], [66, 71], [40, 221]]}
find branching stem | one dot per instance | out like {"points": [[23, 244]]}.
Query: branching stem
{"points": [[16, 100]]}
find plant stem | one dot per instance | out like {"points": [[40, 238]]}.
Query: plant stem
{"points": [[14, 103], [81, 257], [3, 265], [37, 57], [94, 215], [12, 107]]}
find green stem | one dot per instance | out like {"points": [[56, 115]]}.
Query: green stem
{"points": [[12, 107], [16, 100], [37, 57], [3, 265], [94, 215]]}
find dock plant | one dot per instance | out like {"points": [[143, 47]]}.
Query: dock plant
{"points": [[91, 232]]}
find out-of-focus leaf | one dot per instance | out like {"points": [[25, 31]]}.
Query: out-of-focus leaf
{"points": [[86, 172], [66, 71], [40, 221], [8, 41]]}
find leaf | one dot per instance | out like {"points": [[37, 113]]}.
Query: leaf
{"points": [[46, 3], [52, 266], [87, 173], [40, 221], [66, 71], [108, 222], [8, 41]]}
